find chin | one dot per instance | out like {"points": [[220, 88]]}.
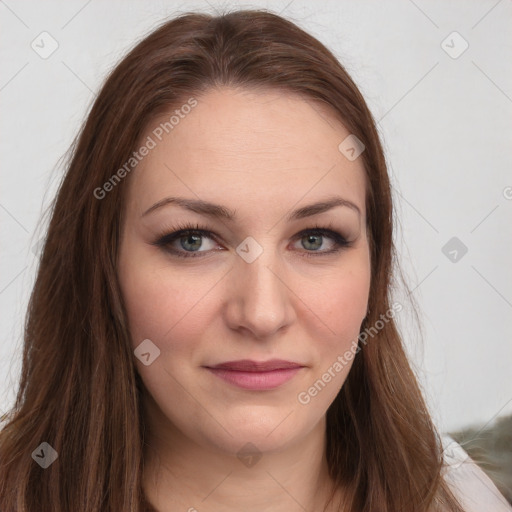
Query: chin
{"points": [[247, 442], [262, 432]]}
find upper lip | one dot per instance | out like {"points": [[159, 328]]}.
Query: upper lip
{"points": [[248, 365]]}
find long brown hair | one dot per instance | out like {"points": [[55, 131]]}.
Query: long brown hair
{"points": [[79, 389]]}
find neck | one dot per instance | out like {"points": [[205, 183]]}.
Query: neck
{"points": [[182, 474]]}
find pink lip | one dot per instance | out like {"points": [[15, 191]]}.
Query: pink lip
{"points": [[256, 375]]}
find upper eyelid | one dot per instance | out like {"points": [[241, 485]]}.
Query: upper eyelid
{"points": [[211, 234], [175, 234]]}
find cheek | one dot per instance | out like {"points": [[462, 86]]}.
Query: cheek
{"points": [[162, 306], [344, 298], [160, 301], [348, 303], [342, 305]]}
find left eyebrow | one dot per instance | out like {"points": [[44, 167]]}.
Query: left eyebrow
{"points": [[215, 210]]}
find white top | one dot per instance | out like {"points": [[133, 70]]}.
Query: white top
{"points": [[472, 487]]}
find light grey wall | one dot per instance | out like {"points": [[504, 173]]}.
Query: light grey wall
{"points": [[444, 115]]}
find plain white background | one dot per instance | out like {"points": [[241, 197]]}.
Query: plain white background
{"points": [[444, 114]]}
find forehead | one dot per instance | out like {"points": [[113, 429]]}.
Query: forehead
{"points": [[248, 149]]}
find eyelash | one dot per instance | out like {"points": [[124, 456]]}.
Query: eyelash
{"points": [[167, 237]]}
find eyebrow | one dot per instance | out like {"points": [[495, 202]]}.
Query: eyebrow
{"points": [[221, 212]]}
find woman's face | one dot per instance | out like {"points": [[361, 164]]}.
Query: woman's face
{"points": [[259, 286]]}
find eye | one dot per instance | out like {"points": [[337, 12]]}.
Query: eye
{"points": [[313, 239], [189, 239], [185, 241]]}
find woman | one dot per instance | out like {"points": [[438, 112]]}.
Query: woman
{"points": [[263, 372]]}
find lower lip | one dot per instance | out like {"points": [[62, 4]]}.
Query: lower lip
{"points": [[256, 380]]}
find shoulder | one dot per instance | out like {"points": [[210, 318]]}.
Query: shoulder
{"points": [[472, 487]]}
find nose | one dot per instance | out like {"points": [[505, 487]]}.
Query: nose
{"points": [[260, 300]]}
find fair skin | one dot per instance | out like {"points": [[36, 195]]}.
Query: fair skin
{"points": [[262, 155]]}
